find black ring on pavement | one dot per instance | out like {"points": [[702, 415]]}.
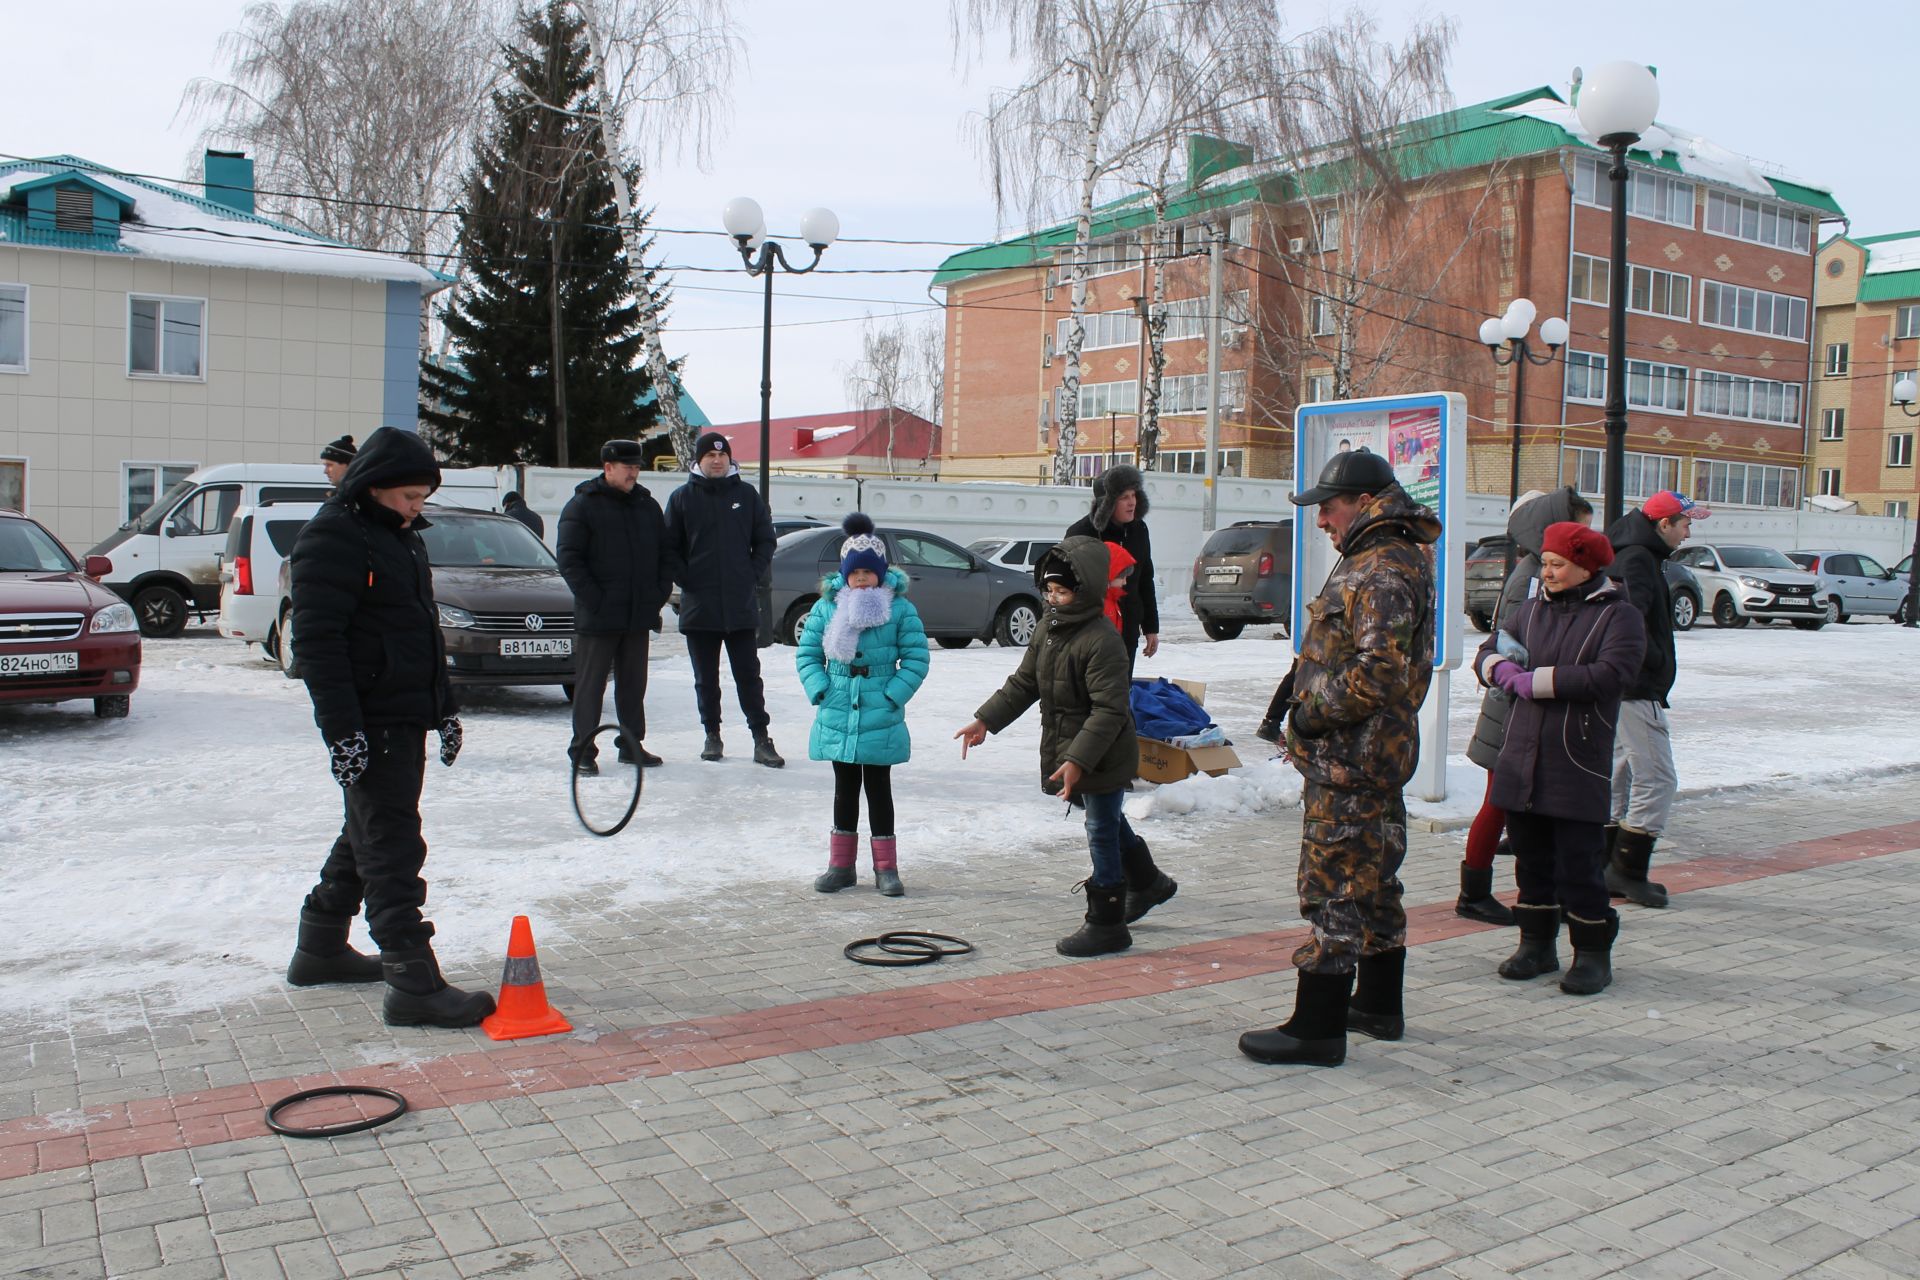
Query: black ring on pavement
{"points": [[920, 938], [927, 954], [335, 1130], [573, 784]]}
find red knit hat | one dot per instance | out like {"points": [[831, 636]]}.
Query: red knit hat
{"points": [[1576, 542]]}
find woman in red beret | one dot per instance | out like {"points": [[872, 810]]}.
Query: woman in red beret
{"points": [[1565, 656]]}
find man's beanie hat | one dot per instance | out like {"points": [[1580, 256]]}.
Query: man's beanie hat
{"points": [[712, 442], [863, 548], [1586, 547], [341, 450], [621, 451]]}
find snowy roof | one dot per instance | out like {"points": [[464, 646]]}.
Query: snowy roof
{"points": [[1889, 253], [171, 225]]}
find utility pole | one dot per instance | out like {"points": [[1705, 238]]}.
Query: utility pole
{"points": [[559, 352], [1210, 497]]}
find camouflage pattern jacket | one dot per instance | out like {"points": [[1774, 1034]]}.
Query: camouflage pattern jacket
{"points": [[1367, 656]]}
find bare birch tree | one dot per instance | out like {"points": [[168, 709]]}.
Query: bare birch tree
{"points": [[900, 369], [359, 114], [1084, 112]]}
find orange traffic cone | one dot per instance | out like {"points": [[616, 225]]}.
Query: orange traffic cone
{"points": [[523, 1009]]}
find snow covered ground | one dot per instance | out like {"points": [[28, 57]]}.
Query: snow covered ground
{"points": [[165, 855]]}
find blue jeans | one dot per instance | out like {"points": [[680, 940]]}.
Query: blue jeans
{"points": [[1107, 836]]}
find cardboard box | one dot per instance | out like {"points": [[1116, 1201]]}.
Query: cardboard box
{"points": [[1164, 762]]}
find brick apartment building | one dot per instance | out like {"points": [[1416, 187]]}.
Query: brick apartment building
{"points": [[1867, 337], [1328, 292]]}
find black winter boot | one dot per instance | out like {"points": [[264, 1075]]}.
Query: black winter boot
{"points": [[1147, 885], [712, 750], [322, 954], [417, 996], [1476, 900], [1626, 873], [1539, 927], [763, 753], [1592, 967], [1106, 927], [1375, 1008], [1316, 1034]]}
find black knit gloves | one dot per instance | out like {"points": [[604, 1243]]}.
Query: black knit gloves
{"points": [[348, 758], [451, 736]]}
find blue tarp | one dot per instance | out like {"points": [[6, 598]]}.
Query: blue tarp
{"points": [[1163, 710]]}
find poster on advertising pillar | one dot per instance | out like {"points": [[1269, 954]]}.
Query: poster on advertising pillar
{"points": [[1425, 438]]}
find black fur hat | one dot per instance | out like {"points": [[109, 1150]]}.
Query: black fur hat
{"points": [[1107, 488]]}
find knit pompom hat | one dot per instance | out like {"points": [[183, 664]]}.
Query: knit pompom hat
{"points": [[863, 548], [1576, 542]]}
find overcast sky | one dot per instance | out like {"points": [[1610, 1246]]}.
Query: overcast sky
{"points": [[864, 113]]}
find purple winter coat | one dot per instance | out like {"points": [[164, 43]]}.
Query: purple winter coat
{"points": [[1585, 647]]}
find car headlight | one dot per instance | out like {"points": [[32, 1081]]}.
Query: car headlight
{"points": [[113, 618], [1757, 583], [453, 615]]}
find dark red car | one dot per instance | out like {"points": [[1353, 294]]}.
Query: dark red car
{"points": [[62, 635]]}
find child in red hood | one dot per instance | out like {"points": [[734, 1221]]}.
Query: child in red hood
{"points": [[1120, 563]]}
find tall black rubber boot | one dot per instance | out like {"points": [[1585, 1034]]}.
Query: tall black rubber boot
{"points": [[1592, 967], [417, 996], [1626, 873], [1105, 929], [1316, 1034], [1376, 1008], [1147, 885], [322, 955], [1539, 927], [1476, 901]]}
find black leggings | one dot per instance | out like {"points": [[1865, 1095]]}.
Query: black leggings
{"points": [[846, 797]]}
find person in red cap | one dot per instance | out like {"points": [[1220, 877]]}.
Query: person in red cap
{"points": [[1644, 779], [1565, 657]]}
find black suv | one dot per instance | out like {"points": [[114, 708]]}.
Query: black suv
{"points": [[1244, 575]]}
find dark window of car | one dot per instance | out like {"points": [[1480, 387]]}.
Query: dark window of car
{"points": [[237, 539], [1754, 558], [148, 521], [27, 548], [1237, 540], [1016, 553], [293, 493], [928, 554], [208, 511], [1037, 550], [1700, 557], [463, 542], [1806, 560], [281, 533], [1848, 566], [1490, 549]]}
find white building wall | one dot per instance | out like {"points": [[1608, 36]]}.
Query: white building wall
{"points": [[291, 362]]}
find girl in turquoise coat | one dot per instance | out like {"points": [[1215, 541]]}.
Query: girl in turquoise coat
{"points": [[863, 654]]}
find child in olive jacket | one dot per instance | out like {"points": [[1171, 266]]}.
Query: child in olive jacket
{"points": [[1076, 668]]}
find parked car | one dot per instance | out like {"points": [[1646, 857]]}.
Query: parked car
{"points": [[1243, 574], [961, 597], [1742, 583], [63, 636], [1012, 553], [505, 611], [1684, 589], [1486, 574], [258, 542], [1855, 583], [781, 528]]}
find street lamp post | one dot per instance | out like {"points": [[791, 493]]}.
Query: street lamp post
{"points": [[1512, 329], [1617, 105], [1904, 393], [748, 227]]}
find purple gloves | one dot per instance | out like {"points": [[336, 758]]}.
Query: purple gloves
{"points": [[1514, 678]]}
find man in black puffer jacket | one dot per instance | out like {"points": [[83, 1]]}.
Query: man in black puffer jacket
{"points": [[375, 665], [615, 555], [1119, 516]]}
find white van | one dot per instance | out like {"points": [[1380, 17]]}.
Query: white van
{"points": [[166, 560]]}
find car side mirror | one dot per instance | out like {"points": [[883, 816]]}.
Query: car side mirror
{"points": [[98, 567]]}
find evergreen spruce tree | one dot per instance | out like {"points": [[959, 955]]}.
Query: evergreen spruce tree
{"points": [[538, 196]]}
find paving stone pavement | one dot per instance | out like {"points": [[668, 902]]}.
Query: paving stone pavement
{"points": [[1742, 1102]]}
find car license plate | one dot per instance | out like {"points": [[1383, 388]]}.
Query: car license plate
{"points": [[37, 664], [546, 647], [1223, 575]]}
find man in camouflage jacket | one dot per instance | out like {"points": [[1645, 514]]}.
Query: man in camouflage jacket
{"points": [[1364, 667]]}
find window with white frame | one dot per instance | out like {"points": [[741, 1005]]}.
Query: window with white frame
{"points": [[1837, 359], [1240, 228], [1906, 321], [1733, 395], [1900, 449], [1098, 399], [13, 484], [1104, 258], [1898, 510], [1088, 465], [1326, 230], [1193, 462], [1645, 474], [1659, 293], [1758, 221], [1320, 317], [1660, 387], [1046, 419], [1833, 424], [1745, 484], [1587, 282], [1586, 376], [13, 328], [166, 337], [1732, 306], [142, 483], [1187, 317], [1829, 482], [1650, 194], [1188, 392], [1319, 387], [1104, 329]]}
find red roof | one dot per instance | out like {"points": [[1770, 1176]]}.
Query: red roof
{"points": [[859, 433]]}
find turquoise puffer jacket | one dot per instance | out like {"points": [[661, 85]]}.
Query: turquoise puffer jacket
{"points": [[862, 719]]}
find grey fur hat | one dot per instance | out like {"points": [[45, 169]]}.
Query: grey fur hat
{"points": [[1107, 488]]}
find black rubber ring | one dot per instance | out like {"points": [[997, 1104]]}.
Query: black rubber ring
{"points": [[920, 938], [573, 784], [896, 960], [335, 1091]]}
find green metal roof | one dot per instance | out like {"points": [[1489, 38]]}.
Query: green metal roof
{"points": [[1464, 138], [1887, 286]]}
